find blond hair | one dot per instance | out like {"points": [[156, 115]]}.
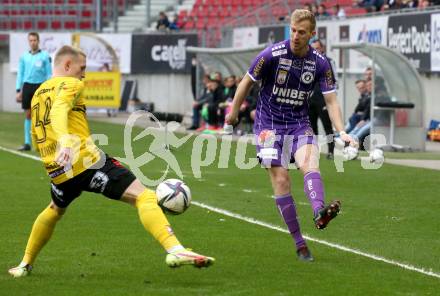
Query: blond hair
{"points": [[303, 14], [67, 50]]}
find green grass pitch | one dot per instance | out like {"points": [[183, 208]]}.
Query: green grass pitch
{"points": [[101, 248]]}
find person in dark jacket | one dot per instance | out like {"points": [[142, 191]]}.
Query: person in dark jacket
{"points": [[317, 106]]}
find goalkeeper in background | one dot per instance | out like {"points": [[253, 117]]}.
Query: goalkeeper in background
{"points": [[61, 134]]}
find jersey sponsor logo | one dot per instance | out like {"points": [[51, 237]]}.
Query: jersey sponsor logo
{"points": [[57, 172], [310, 62], [290, 96], [99, 181], [307, 77], [279, 46], [266, 138], [45, 90], [286, 62], [258, 67], [48, 150], [279, 52], [291, 102], [284, 67], [281, 77]]}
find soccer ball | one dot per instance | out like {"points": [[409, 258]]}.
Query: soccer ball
{"points": [[173, 196], [376, 156], [350, 153]]}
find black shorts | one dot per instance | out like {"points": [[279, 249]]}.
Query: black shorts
{"points": [[27, 92], [111, 180]]}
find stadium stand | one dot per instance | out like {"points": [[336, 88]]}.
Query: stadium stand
{"points": [[53, 15], [211, 15]]}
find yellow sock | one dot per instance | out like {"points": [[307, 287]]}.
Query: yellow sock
{"points": [[154, 220], [40, 234]]}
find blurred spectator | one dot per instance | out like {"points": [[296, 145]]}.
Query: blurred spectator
{"points": [[174, 25], [424, 4], [411, 3], [394, 5], [205, 97], [371, 5], [361, 108], [315, 9], [322, 11], [163, 23], [363, 126], [230, 87], [308, 7], [338, 12], [216, 89], [317, 104]]}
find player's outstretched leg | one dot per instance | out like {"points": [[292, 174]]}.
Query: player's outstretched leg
{"points": [[156, 223], [188, 257], [326, 214], [40, 235], [21, 270]]}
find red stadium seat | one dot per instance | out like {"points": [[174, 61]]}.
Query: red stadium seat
{"points": [[69, 25], [189, 25], [85, 25], [86, 13], [41, 25], [27, 25], [200, 25], [55, 25]]}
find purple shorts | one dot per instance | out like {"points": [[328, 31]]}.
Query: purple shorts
{"points": [[278, 147]]}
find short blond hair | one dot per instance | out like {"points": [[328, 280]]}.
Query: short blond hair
{"points": [[303, 14], [68, 50]]}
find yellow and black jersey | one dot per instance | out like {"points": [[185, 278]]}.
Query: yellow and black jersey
{"points": [[59, 120]]}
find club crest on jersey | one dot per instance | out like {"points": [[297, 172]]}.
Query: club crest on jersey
{"points": [[281, 77], [266, 138], [307, 77]]}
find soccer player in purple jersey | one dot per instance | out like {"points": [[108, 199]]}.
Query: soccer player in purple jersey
{"points": [[288, 72]]}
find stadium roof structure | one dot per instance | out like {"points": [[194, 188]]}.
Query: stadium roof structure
{"points": [[229, 61], [406, 91]]}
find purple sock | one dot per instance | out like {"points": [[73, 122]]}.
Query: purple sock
{"points": [[288, 212], [314, 190]]}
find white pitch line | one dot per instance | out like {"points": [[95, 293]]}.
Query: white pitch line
{"points": [[20, 153], [319, 241], [277, 228]]}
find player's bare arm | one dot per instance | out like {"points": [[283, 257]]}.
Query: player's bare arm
{"points": [[334, 111], [240, 95]]}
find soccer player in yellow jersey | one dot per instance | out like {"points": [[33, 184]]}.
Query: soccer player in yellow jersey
{"points": [[61, 135]]}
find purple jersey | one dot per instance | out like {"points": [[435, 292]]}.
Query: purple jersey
{"points": [[287, 83]]}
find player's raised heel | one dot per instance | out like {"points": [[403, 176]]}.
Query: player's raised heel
{"points": [[187, 257], [304, 254], [20, 271], [326, 214]]}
